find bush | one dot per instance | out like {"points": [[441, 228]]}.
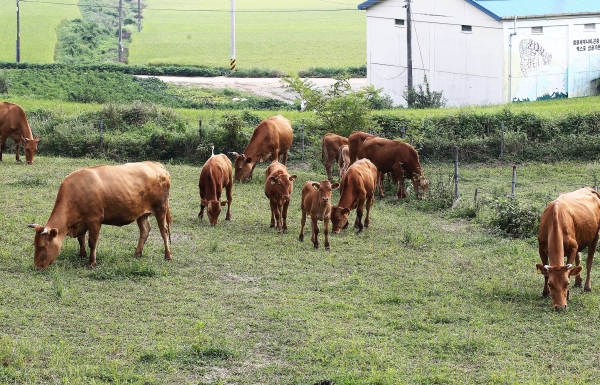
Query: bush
{"points": [[423, 98], [515, 219], [4, 83]]}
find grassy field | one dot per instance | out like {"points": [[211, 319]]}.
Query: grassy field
{"points": [[286, 36], [418, 298], [38, 28]]}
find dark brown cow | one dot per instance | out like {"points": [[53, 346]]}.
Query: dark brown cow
{"points": [[355, 144], [343, 161], [105, 195], [357, 191], [316, 203], [13, 124], [271, 138], [278, 188], [330, 151], [398, 159], [568, 225], [216, 174]]}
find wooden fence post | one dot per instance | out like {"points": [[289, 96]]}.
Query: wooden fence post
{"points": [[514, 180], [455, 151], [502, 140], [102, 134], [302, 139]]}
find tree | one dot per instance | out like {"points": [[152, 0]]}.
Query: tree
{"points": [[423, 98]]}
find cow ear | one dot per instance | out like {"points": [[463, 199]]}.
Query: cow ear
{"points": [[316, 185], [249, 159], [204, 202], [292, 177], [24, 139], [53, 233], [345, 211], [541, 268], [575, 271], [335, 185], [223, 203], [273, 179]]}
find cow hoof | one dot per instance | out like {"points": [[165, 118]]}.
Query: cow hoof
{"points": [[301, 238], [169, 258], [89, 266], [285, 231], [577, 284], [272, 225], [326, 248], [588, 289], [316, 246], [228, 219]]}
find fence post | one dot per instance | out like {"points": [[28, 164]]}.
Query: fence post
{"points": [[403, 132], [475, 198], [514, 180], [455, 151], [411, 138], [200, 130], [502, 140], [102, 134], [302, 139]]}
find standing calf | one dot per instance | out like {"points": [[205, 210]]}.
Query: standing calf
{"points": [[278, 188], [216, 174], [316, 203]]}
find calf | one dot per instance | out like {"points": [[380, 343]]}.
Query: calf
{"points": [[216, 174], [278, 188], [316, 203], [330, 151], [568, 225], [357, 190]]}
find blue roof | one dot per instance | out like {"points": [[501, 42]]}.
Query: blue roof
{"points": [[507, 9]]}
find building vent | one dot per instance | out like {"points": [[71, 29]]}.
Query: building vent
{"points": [[467, 28], [399, 21], [537, 30], [589, 27]]}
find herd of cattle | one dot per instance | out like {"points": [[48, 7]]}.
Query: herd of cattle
{"points": [[118, 195]]}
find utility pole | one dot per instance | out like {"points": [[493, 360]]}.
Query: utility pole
{"points": [[232, 61], [18, 35], [120, 31], [409, 49], [139, 16]]}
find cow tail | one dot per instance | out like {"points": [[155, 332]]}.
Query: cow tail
{"points": [[169, 221], [322, 151]]}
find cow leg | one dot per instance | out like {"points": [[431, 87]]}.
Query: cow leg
{"points": [[401, 190], [228, 190], [578, 276], [284, 156], [302, 223], [359, 213], [81, 240], [326, 232], [315, 231], [544, 259], [275, 155], [144, 225], [370, 199], [17, 147], [278, 217], [163, 227], [94, 235], [2, 146], [588, 264], [328, 164], [380, 182], [201, 213], [273, 210], [284, 212]]}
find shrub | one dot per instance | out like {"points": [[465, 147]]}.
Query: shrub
{"points": [[4, 83], [423, 98], [514, 218]]}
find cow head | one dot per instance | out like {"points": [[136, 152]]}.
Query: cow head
{"points": [[324, 190], [47, 245], [213, 209], [421, 184], [339, 218], [30, 148], [558, 282], [284, 184], [243, 167]]}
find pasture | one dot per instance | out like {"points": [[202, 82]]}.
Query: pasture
{"points": [[38, 28], [421, 297], [286, 36]]}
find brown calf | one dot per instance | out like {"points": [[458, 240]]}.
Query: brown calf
{"points": [[357, 190], [216, 174], [278, 188], [316, 203]]}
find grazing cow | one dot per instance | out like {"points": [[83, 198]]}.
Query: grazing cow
{"points": [[278, 188], [343, 161], [216, 174], [316, 203], [13, 124], [272, 137], [398, 159], [330, 151], [568, 225], [111, 195], [355, 144], [357, 191]]}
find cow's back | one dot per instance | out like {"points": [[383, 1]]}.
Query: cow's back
{"points": [[272, 133], [217, 169], [355, 145], [13, 122], [387, 153], [358, 182]]}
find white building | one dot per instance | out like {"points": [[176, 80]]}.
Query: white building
{"points": [[486, 51]]}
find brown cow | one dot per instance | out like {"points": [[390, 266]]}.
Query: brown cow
{"points": [[216, 174], [278, 188], [272, 137], [398, 159], [330, 151], [568, 225], [355, 144], [343, 161], [111, 195], [13, 124], [316, 203], [357, 191]]}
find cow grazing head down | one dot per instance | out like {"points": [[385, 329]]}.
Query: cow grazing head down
{"points": [[420, 184], [213, 210], [30, 148], [339, 218], [243, 167], [47, 245], [558, 282]]}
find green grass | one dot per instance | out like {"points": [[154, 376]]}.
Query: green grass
{"points": [[269, 34], [38, 22], [418, 298]]}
